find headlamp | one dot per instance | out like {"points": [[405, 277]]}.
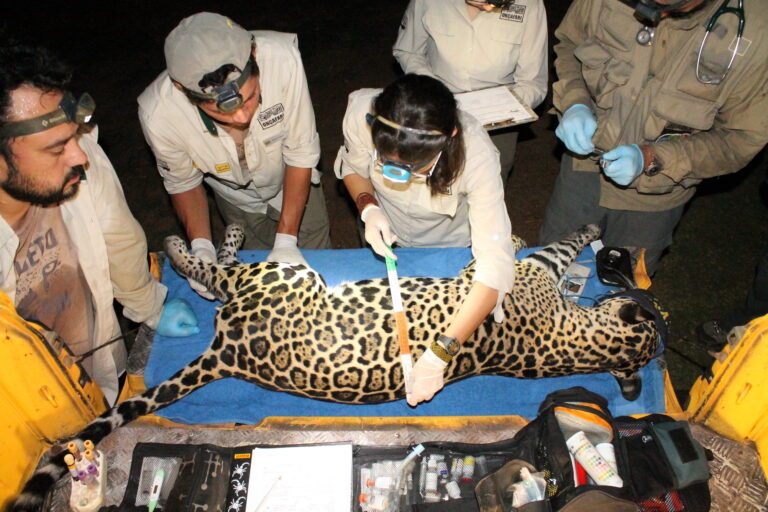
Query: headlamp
{"points": [[399, 172], [649, 11], [68, 111], [227, 96], [498, 4]]}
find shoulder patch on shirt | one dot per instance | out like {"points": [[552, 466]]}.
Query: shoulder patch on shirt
{"points": [[271, 116], [222, 168], [513, 12]]}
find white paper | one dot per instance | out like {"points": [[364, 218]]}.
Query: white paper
{"points": [[495, 105], [301, 479]]}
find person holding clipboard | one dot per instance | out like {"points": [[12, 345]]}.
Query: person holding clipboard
{"points": [[471, 45], [425, 174]]}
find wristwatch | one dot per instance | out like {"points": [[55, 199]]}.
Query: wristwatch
{"points": [[651, 163], [445, 347]]}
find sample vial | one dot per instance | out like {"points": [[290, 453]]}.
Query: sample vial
{"points": [[69, 460], [442, 469], [74, 450]]}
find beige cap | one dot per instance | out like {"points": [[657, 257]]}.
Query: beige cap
{"points": [[202, 43]]}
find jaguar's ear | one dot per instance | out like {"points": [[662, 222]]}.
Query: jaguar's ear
{"points": [[634, 313]]}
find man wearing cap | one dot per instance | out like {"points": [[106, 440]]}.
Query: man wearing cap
{"points": [[69, 245], [233, 110]]}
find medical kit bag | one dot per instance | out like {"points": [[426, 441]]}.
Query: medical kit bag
{"points": [[660, 466]]}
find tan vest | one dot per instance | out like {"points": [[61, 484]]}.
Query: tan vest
{"points": [[640, 92]]}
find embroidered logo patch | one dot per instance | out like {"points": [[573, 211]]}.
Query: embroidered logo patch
{"points": [[222, 168], [271, 116], [513, 12]]}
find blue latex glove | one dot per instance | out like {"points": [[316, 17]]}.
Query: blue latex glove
{"points": [[576, 129], [177, 320], [623, 164]]}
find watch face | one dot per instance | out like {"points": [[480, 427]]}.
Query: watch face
{"points": [[451, 345]]}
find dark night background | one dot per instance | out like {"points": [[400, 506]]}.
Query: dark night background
{"points": [[116, 49]]}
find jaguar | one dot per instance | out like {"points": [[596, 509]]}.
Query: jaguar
{"points": [[280, 327]]}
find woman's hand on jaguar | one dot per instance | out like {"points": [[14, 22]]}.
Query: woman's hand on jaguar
{"points": [[426, 378]]}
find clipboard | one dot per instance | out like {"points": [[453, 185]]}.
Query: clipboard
{"points": [[496, 107]]}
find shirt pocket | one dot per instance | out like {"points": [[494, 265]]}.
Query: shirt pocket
{"points": [[437, 24], [274, 143], [678, 111], [603, 72], [508, 32]]}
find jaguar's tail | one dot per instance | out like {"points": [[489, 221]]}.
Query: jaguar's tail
{"points": [[213, 276], [555, 257], [183, 382]]}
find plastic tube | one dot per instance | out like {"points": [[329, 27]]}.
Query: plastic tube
{"points": [[594, 463]]}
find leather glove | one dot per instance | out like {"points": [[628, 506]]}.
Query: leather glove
{"points": [[623, 164], [177, 320], [576, 129], [426, 378], [378, 232], [285, 250], [203, 249]]}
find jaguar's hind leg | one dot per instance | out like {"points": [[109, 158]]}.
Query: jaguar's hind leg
{"points": [[555, 257], [630, 383]]}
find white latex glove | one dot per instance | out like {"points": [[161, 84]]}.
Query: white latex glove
{"points": [[203, 249], [285, 250], [426, 378], [378, 232]]}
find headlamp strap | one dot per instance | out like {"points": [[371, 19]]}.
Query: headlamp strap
{"points": [[235, 84], [370, 118], [68, 111]]}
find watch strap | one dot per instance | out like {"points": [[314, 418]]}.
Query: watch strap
{"points": [[440, 352], [651, 164]]}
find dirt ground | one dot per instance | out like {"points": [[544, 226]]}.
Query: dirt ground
{"points": [[117, 50]]}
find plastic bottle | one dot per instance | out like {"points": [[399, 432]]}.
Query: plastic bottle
{"points": [[609, 454], [453, 490], [594, 463], [457, 468], [468, 469]]}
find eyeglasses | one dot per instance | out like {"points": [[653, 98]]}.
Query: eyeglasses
{"points": [[399, 172]]}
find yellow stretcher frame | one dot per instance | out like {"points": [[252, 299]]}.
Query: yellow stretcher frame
{"points": [[734, 403]]}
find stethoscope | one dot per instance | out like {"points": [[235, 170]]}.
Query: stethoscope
{"points": [[645, 37]]}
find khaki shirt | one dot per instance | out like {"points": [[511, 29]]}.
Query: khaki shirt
{"points": [[474, 213], [640, 92], [438, 39], [189, 150], [112, 252]]}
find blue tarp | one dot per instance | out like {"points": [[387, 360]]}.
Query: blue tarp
{"points": [[232, 400]]}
